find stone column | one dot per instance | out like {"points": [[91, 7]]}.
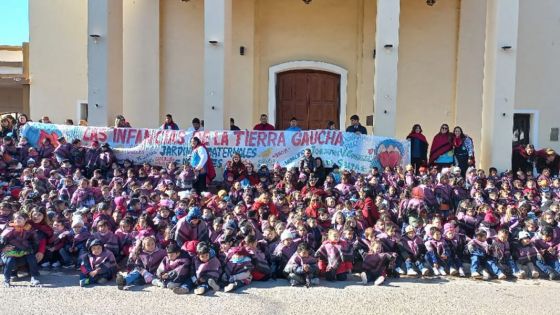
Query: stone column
{"points": [[386, 62], [105, 61], [217, 56], [500, 65]]}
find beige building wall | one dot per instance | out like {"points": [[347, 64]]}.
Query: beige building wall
{"points": [[538, 66], [181, 61], [58, 57], [11, 99], [427, 66]]}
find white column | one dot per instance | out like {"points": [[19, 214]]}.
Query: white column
{"points": [[104, 61], [217, 55], [386, 61], [141, 63], [500, 60]]}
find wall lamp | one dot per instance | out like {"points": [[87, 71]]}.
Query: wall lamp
{"points": [[388, 46], [95, 37], [213, 42]]}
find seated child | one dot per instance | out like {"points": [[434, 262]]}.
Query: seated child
{"points": [[173, 271], [436, 252], [75, 247], [412, 252], [56, 243], [107, 237], [375, 264], [481, 260], [207, 269], [282, 253], [335, 257], [238, 268], [98, 265], [527, 255], [502, 253], [302, 267], [549, 264], [455, 245], [17, 242], [143, 264]]}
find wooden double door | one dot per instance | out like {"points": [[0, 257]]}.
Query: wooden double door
{"points": [[313, 97]]}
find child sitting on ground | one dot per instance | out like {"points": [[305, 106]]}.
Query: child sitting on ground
{"points": [[335, 257], [207, 269], [173, 271], [302, 267], [98, 265], [481, 260], [143, 263], [238, 268], [375, 264], [17, 242]]}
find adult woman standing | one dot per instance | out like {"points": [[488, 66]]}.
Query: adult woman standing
{"points": [[441, 152], [418, 147], [202, 165], [463, 150]]}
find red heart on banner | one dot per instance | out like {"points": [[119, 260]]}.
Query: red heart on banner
{"points": [[389, 156], [52, 136]]}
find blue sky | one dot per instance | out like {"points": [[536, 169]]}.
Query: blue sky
{"points": [[14, 22]]}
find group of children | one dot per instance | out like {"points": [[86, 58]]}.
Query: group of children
{"points": [[145, 225]]}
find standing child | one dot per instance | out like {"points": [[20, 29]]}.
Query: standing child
{"points": [[375, 264], [17, 242], [302, 268], [98, 265]]}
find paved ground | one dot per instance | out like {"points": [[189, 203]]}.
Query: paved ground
{"points": [[61, 295]]}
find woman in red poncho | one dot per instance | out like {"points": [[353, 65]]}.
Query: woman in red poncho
{"points": [[441, 152], [418, 147]]}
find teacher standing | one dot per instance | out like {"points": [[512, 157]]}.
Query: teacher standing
{"points": [[202, 165]]}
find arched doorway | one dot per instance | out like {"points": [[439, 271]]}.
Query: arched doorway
{"points": [[276, 70], [312, 96]]}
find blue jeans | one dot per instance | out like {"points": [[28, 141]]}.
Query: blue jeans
{"points": [[478, 262], [414, 265], [133, 276], [10, 263], [548, 266]]}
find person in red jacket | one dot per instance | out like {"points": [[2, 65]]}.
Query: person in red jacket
{"points": [[366, 204], [264, 199], [264, 125], [312, 211]]}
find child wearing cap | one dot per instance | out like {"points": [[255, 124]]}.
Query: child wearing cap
{"points": [[527, 255], [75, 246], [282, 253], [412, 252], [455, 243], [98, 265]]}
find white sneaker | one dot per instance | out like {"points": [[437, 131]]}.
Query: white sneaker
{"points": [[502, 276], [486, 275], [212, 283], [461, 272], [379, 281], [363, 276], [425, 271], [158, 283], [535, 274], [56, 264], [520, 275], [45, 264], [476, 275], [400, 271], [411, 272], [436, 272], [442, 271], [34, 282], [230, 287], [453, 271]]}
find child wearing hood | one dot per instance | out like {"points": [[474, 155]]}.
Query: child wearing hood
{"points": [[142, 263], [335, 257], [107, 237], [191, 227], [455, 245], [302, 268], [18, 243], [436, 252], [98, 265], [207, 269], [174, 271], [482, 262], [238, 268]]}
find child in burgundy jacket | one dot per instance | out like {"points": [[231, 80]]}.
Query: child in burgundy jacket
{"points": [[302, 267]]}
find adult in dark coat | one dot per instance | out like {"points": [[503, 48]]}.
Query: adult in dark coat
{"points": [[523, 158], [418, 147], [548, 158]]}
